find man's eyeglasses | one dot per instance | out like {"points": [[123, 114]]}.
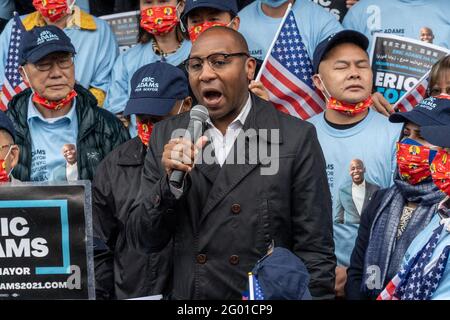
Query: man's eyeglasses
{"points": [[217, 61], [62, 62]]}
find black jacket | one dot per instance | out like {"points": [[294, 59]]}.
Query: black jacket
{"points": [[228, 215], [120, 271], [355, 271], [99, 132]]}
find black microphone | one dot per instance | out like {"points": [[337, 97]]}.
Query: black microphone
{"points": [[199, 114]]}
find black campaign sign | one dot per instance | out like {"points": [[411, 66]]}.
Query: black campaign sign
{"points": [[43, 243]]}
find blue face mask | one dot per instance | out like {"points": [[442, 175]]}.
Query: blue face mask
{"points": [[273, 3], [415, 143]]}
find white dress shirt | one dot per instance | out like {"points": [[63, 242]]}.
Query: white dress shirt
{"points": [[223, 143], [71, 172], [358, 195]]}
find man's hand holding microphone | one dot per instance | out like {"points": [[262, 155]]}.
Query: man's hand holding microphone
{"points": [[180, 153]]}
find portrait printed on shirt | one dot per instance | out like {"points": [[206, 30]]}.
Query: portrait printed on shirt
{"points": [[353, 194], [67, 171], [426, 35]]}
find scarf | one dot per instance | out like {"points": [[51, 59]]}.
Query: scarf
{"points": [[384, 250]]}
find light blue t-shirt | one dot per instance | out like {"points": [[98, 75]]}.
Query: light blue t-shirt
{"points": [[83, 4], [314, 23], [6, 9], [401, 17], [373, 141], [96, 52], [443, 290], [48, 136]]}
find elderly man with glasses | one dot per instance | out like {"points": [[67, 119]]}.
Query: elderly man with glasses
{"points": [[228, 211], [56, 111]]}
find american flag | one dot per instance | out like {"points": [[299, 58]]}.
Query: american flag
{"points": [[255, 290], [419, 278], [13, 83], [287, 74], [414, 96]]}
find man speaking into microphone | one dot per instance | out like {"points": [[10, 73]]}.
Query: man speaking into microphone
{"points": [[224, 215]]}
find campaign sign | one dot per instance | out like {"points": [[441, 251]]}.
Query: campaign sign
{"points": [[125, 27], [336, 7], [399, 63], [46, 241]]}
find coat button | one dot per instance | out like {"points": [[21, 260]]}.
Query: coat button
{"points": [[156, 200], [201, 259], [236, 208], [234, 260], [170, 211]]}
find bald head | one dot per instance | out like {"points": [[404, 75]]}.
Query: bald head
{"points": [[226, 34]]}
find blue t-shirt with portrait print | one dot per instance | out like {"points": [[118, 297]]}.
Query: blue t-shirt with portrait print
{"points": [[314, 23], [401, 17], [373, 141], [48, 136]]}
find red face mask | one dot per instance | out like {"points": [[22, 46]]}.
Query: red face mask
{"points": [[54, 105], [159, 20], [198, 29], [4, 176], [52, 9], [348, 108], [144, 131], [440, 171], [413, 162]]}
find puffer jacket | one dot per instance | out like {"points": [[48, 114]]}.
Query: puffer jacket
{"points": [[99, 132]]}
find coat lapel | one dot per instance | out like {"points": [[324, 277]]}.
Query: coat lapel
{"points": [[210, 171], [261, 116]]}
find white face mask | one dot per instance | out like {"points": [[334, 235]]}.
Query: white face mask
{"points": [[28, 80], [327, 94], [71, 5], [181, 106]]}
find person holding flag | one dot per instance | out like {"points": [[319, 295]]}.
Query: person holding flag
{"points": [[93, 39], [349, 129], [396, 215], [227, 212]]}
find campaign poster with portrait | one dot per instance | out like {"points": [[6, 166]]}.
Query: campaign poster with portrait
{"points": [[399, 63], [46, 241], [338, 8], [125, 26]]}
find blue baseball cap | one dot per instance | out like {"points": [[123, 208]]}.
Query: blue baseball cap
{"points": [[155, 88], [222, 5], [6, 124], [344, 36], [437, 135], [432, 111], [282, 276], [42, 41]]}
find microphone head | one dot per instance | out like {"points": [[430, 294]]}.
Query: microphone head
{"points": [[199, 113]]}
